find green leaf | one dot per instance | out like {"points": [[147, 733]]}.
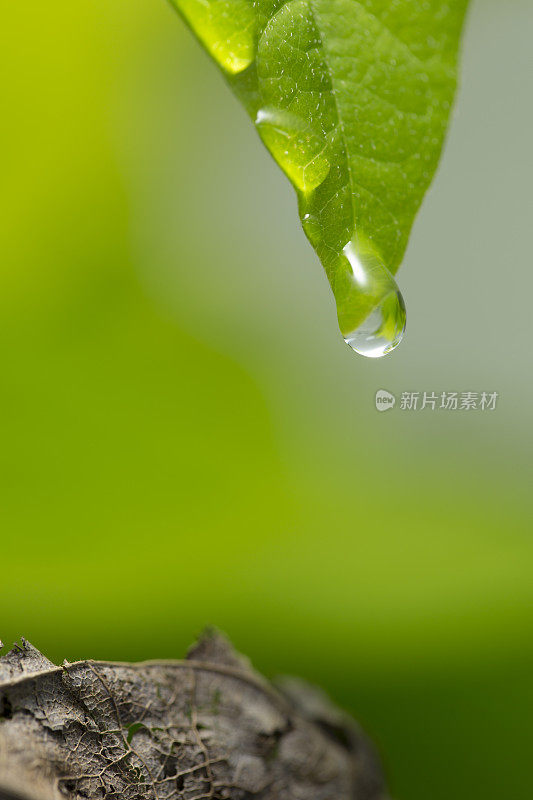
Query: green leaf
{"points": [[352, 99]]}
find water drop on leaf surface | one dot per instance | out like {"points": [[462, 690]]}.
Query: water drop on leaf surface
{"points": [[297, 147], [226, 28]]}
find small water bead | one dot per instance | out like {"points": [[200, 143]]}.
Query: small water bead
{"points": [[297, 147], [370, 306], [226, 29], [312, 228]]}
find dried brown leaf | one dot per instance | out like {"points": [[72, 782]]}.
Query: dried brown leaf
{"points": [[206, 728]]}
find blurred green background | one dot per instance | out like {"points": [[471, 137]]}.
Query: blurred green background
{"points": [[185, 439]]}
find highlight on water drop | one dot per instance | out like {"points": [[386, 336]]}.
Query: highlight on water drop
{"points": [[226, 28], [370, 307]]}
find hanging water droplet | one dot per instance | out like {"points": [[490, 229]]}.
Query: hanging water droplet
{"points": [[370, 306], [297, 147], [226, 28], [382, 330]]}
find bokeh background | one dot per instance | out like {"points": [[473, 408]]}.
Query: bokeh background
{"points": [[185, 439]]}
